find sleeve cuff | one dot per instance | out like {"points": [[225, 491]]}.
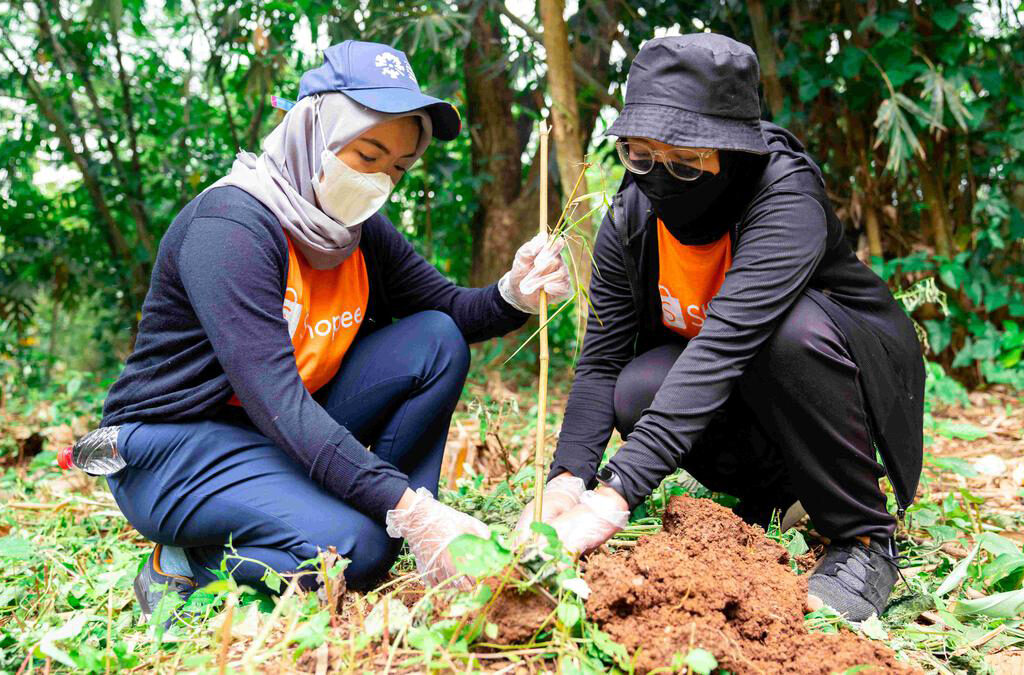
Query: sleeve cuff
{"points": [[372, 486], [507, 308], [577, 460], [632, 492]]}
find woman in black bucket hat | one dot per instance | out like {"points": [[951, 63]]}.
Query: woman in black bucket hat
{"points": [[739, 336]]}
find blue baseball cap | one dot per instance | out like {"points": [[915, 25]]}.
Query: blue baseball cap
{"points": [[379, 77]]}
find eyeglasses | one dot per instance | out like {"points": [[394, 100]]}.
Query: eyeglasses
{"points": [[683, 163]]}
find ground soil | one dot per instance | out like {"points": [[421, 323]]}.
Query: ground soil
{"points": [[519, 615], [710, 580]]}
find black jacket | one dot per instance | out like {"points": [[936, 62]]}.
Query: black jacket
{"points": [[212, 326], [787, 241]]}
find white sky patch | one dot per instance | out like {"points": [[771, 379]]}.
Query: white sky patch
{"points": [[616, 54], [521, 9], [987, 19], [666, 32], [53, 178]]}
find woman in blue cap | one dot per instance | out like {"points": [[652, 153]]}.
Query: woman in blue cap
{"points": [[739, 336], [273, 403]]}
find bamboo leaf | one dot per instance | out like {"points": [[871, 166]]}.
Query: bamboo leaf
{"points": [[955, 104], [933, 91], [908, 104], [958, 573], [542, 327], [1006, 605]]}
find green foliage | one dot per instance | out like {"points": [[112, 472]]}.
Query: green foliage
{"points": [[479, 557], [985, 319], [61, 569], [698, 660], [914, 113], [118, 117]]}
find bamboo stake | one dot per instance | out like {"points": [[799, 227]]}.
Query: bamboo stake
{"points": [[225, 636], [542, 388]]}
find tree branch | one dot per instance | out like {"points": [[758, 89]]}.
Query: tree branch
{"points": [[98, 112], [215, 64], [137, 197], [115, 239], [599, 91]]}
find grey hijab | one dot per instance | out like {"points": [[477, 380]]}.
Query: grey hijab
{"points": [[281, 177]]}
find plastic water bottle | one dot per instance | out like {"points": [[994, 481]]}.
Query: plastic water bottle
{"points": [[95, 453]]}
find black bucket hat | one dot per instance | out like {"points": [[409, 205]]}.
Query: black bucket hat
{"points": [[697, 90]]}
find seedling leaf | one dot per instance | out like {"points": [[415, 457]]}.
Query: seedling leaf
{"points": [[478, 557], [701, 661], [1006, 605]]}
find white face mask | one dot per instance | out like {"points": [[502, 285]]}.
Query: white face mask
{"points": [[346, 195]]}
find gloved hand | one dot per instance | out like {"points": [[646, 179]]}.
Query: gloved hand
{"points": [[429, 526], [560, 494], [538, 266], [590, 523]]}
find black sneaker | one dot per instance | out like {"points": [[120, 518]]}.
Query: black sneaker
{"points": [[150, 576], [854, 579]]}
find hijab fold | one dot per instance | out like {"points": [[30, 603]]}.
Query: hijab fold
{"points": [[281, 176]]}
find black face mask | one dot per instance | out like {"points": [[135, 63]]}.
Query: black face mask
{"points": [[680, 204]]}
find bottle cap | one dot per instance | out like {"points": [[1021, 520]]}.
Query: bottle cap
{"points": [[64, 457]]}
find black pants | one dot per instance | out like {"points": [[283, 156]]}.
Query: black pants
{"points": [[795, 428]]}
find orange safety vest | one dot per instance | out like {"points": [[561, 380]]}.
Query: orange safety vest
{"points": [[324, 310], [688, 277]]}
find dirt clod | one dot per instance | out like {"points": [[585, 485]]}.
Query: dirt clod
{"points": [[710, 580]]}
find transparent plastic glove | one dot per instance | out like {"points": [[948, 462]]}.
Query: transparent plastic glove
{"points": [[429, 526], [538, 266], [590, 523], [560, 494]]}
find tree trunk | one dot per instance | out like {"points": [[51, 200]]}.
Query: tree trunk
{"points": [[119, 247], [873, 231], [507, 215], [765, 44], [569, 141], [938, 209], [860, 164]]}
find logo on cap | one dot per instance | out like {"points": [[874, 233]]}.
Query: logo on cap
{"points": [[392, 66]]}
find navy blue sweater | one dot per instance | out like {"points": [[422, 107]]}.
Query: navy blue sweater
{"points": [[212, 325]]}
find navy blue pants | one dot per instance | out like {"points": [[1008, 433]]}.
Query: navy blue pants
{"points": [[201, 484]]}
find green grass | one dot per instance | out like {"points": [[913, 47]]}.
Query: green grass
{"points": [[67, 560]]}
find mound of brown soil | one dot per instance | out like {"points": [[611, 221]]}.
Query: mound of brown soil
{"points": [[710, 580], [519, 615]]}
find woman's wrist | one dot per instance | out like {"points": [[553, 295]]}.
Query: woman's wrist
{"points": [[407, 499], [613, 497]]}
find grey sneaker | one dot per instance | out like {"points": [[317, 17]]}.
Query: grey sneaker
{"points": [[150, 576], [854, 579]]}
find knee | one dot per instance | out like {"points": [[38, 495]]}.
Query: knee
{"points": [[790, 342], [805, 348], [440, 330], [634, 393], [798, 336], [372, 555]]}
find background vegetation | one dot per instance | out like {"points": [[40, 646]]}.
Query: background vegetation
{"points": [[115, 113]]}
